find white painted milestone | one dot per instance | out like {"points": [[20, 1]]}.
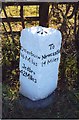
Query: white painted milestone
{"points": [[39, 61]]}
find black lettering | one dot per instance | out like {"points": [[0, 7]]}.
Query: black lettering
{"points": [[54, 59], [24, 67], [24, 73], [57, 59], [22, 55], [55, 53], [51, 46], [29, 76], [38, 57], [34, 63], [25, 57], [49, 55], [29, 69], [34, 73], [21, 71], [58, 51], [28, 59], [32, 78], [44, 57], [35, 80], [29, 52], [43, 63], [49, 61], [21, 48]]}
